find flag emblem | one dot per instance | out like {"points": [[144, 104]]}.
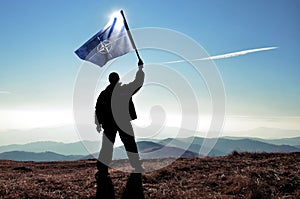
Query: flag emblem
{"points": [[104, 46]]}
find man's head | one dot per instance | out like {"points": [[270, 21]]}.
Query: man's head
{"points": [[113, 78]]}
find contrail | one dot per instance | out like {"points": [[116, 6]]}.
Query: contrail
{"points": [[223, 56]]}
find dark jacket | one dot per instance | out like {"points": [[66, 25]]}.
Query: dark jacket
{"points": [[115, 102]]}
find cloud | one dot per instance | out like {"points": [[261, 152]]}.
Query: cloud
{"points": [[224, 56], [4, 92]]}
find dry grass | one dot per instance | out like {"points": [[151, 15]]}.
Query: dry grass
{"points": [[245, 175]]}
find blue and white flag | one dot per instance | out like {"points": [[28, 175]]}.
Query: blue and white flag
{"points": [[110, 42]]}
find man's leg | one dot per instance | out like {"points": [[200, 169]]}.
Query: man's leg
{"points": [[105, 156], [131, 148]]}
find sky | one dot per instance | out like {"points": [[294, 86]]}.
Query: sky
{"points": [[39, 68]]}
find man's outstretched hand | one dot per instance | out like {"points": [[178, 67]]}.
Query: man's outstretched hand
{"points": [[140, 64]]}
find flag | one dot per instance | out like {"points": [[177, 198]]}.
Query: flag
{"points": [[110, 42]]}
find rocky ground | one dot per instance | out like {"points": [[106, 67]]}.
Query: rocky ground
{"points": [[239, 175]]}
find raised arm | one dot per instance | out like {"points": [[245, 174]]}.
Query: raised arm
{"points": [[137, 83]]}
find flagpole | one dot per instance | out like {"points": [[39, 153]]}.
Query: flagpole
{"points": [[131, 38]]}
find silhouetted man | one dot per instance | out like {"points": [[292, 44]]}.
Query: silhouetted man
{"points": [[114, 112]]}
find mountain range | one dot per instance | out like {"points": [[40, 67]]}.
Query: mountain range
{"points": [[37, 157], [148, 149]]}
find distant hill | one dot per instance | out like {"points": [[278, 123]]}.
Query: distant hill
{"points": [[38, 157], [286, 141], [76, 148], [192, 144], [294, 141], [248, 145], [150, 150], [177, 147], [225, 146]]}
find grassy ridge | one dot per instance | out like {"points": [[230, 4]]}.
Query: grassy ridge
{"points": [[239, 175]]}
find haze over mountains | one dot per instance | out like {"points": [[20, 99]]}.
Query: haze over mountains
{"points": [[178, 147], [68, 134]]}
